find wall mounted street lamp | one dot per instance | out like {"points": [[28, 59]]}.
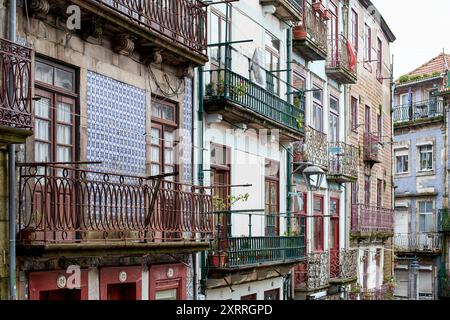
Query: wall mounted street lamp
{"points": [[313, 176]]}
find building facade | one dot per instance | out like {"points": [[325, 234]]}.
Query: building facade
{"points": [[420, 155]]}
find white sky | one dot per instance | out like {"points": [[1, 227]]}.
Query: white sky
{"points": [[422, 29]]}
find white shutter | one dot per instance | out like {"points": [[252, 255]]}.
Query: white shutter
{"points": [[425, 282], [401, 288]]}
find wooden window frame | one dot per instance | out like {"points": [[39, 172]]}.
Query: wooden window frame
{"points": [[319, 242], [354, 111], [354, 18], [273, 180], [379, 60], [367, 47]]}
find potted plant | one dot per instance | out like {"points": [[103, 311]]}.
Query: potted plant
{"points": [[239, 90], [209, 89], [326, 15], [318, 6], [300, 121], [355, 292], [217, 260], [299, 32]]}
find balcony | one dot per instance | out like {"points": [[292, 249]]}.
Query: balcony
{"points": [[429, 243], [418, 112], [178, 28], [312, 149], [313, 274], [240, 100], [444, 220], [228, 252], [287, 10], [343, 162], [310, 38], [343, 266], [372, 146], [340, 66], [15, 93], [67, 207], [383, 292], [372, 220]]}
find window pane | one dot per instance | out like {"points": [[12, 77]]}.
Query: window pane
{"points": [[42, 108], [166, 295], [155, 169], [155, 136], [156, 109], [64, 154], [168, 156], [42, 152], [168, 139], [44, 73], [64, 134], [64, 79], [64, 112], [155, 154], [42, 129], [169, 113]]}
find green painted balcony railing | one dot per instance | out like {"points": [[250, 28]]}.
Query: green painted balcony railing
{"points": [[226, 85], [444, 220], [246, 251]]}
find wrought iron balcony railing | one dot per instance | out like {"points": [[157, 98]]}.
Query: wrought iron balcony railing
{"points": [[343, 162], [444, 220], [422, 242], [383, 292], [15, 85], [64, 204], [229, 251], [286, 9], [311, 36], [182, 21], [372, 146], [418, 111], [340, 66], [226, 85], [343, 265], [372, 219], [313, 273], [312, 149]]}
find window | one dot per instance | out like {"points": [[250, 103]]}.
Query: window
{"points": [[404, 99], [170, 294], [380, 126], [220, 176], [273, 63], [164, 125], [401, 164], [367, 46], [334, 224], [272, 197], [272, 294], [334, 119], [54, 134], [300, 84], [317, 225], [218, 27], [317, 109], [367, 119], [354, 29], [379, 193], [426, 216], [426, 157], [379, 59], [367, 190], [354, 115]]}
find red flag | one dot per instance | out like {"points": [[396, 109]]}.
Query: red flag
{"points": [[352, 62]]}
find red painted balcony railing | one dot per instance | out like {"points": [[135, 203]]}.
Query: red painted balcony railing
{"points": [[372, 147], [372, 219], [15, 85], [339, 63], [59, 204], [183, 21]]}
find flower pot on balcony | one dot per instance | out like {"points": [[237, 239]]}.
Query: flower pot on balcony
{"points": [[217, 261], [299, 32], [326, 15], [318, 7]]}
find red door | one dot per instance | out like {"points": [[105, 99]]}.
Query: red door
{"points": [[121, 283], [168, 282], [57, 285], [334, 238]]}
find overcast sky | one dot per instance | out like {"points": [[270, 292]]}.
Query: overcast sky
{"points": [[422, 29]]}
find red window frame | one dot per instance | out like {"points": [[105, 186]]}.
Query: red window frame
{"points": [[318, 220], [354, 116], [367, 189], [379, 60], [379, 193], [302, 214], [367, 47], [273, 183], [334, 223]]}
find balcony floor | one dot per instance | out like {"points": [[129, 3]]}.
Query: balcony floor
{"points": [[309, 49], [235, 113], [341, 75]]}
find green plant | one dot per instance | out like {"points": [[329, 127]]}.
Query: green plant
{"points": [[403, 79], [300, 121], [356, 289], [221, 204], [240, 89]]}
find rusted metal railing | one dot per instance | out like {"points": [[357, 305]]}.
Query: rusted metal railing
{"points": [[343, 264], [313, 148], [313, 273], [426, 242], [343, 160], [15, 85], [183, 21], [61, 203], [367, 218], [339, 63], [372, 147]]}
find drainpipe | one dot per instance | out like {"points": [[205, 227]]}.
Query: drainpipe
{"points": [[289, 150], [12, 175]]}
